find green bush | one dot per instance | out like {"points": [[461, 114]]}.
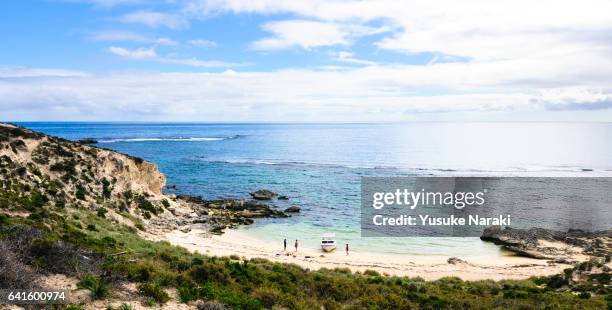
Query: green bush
{"points": [[81, 192], [584, 295], [4, 219], [102, 212], [98, 288], [154, 291], [106, 190]]}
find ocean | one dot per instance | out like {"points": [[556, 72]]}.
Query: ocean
{"points": [[319, 166]]}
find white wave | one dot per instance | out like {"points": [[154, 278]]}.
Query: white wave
{"points": [[202, 139], [440, 171]]}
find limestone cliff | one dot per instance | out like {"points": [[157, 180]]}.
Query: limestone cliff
{"points": [[46, 170]]}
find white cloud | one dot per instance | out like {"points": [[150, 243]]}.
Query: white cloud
{"points": [[140, 53], [348, 57], [165, 41], [21, 72], [194, 62], [151, 55], [127, 36], [371, 93], [202, 43], [155, 19], [309, 34], [482, 30], [574, 98], [484, 56], [118, 36]]}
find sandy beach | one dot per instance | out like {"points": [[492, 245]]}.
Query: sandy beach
{"points": [[237, 242]]}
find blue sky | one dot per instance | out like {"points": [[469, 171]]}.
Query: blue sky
{"points": [[337, 60]]}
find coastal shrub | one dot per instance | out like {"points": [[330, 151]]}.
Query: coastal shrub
{"points": [[186, 294], [106, 190], [13, 272], [268, 296], [68, 167], [608, 299], [101, 212], [210, 272], [98, 288], [154, 291], [80, 192], [584, 295], [73, 307], [4, 219], [165, 203], [36, 200], [125, 306], [556, 281], [141, 273], [370, 272]]}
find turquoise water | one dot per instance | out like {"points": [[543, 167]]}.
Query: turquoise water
{"points": [[319, 165]]}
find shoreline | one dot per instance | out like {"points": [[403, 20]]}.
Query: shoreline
{"points": [[239, 243]]}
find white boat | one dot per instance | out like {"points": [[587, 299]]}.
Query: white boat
{"points": [[328, 242]]}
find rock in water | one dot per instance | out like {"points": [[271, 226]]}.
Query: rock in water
{"points": [[263, 194], [87, 141], [292, 209], [283, 197]]}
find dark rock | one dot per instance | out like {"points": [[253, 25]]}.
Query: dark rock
{"points": [[456, 260], [292, 209], [526, 242], [263, 194], [223, 213], [87, 141], [282, 197]]}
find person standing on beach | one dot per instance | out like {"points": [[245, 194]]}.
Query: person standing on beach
{"points": [[285, 245], [347, 249], [296, 245]]}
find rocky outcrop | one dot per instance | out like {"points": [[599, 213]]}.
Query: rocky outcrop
{"points": [[217, 215], [293, 209], [263, 194], [87, 141], [455, 261], [550, 244]]}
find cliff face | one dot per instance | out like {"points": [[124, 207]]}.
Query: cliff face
{"points": [[41, 174], [55, 171]]}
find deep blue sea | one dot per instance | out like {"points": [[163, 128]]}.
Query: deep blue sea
{"points": [[319, 165]]}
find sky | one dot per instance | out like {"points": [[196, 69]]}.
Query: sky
{"points": [[305, 60]]}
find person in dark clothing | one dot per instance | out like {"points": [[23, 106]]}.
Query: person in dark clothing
{"points": [[285, 245], [296, 245], [347, 249]]}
